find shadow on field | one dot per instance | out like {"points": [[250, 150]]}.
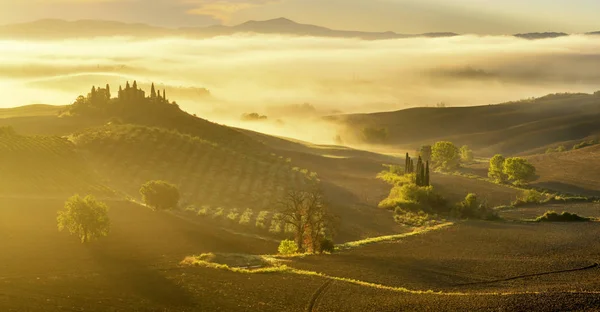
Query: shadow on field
{"points": [[125, 271], [567, 188]]}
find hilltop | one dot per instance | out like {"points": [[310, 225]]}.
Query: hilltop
{"points": [[508, 128]]}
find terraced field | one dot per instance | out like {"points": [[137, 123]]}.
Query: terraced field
{"points": [[44, 165], [206, 173]]}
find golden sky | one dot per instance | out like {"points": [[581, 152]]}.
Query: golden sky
{"points": [[405, 16]]}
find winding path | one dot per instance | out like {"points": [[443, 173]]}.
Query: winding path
{"points": [[313, 304], [592, 266]]}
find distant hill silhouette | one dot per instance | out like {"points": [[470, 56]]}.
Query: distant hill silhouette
{"points": [[509, 128], [60, 29], [544, 35]]}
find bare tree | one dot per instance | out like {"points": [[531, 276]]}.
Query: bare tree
{"points": [[306, 211]]}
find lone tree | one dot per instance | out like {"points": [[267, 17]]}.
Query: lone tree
{"points": [[466, 154], [445, 155], [305, 211], [519, 170], [496, 170], [160, 195], [84, 217]]}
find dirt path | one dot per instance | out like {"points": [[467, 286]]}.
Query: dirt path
{"points": [[314, 300], [592, 266]]}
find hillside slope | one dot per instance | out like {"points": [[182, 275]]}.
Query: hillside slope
{"points": [[207, 173], [508, 128], [574, 172], [44, 166]]}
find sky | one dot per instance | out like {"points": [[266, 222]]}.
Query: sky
{"points": [[404, 16]]}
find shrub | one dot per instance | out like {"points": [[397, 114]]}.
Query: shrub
{"points": [[190, 209], [84, 217], [203, 211], [529, 197], [261, 218], [410, 218], [246, 216], [561, 149], [233, 215], [287, 247], [160, 195], [326, 245], [552, 216], [471, 207], [218, 213], [414, 198]]}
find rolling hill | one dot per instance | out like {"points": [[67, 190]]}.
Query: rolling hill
{"points": [[508, 128]]}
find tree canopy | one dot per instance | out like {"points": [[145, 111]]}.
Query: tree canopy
{"points": [[84, 217], [160, 195], [445, 155], [496, 169], [519, 170]]}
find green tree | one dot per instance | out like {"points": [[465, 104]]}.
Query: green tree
{"points": [[466, 154], [160, 195], [496, 169], [84, 217], [519, 170], [445, 155], [561, 149]]}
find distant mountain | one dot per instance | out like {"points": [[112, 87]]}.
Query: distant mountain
{"points": [[544, 35], [60, 29], [594, 33]]}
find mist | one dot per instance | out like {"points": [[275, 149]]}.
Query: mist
{"points": [[295, 80]]}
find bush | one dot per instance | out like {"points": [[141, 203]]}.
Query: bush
{"points": [[326, 245], [287, 247], [410, 218], [246, 216], [261, 218], [529, 197], [414, 198], [203, 211], [552, 216], [218, 213], [84, 217], [233, 215], [471, 207], [160, 195]]}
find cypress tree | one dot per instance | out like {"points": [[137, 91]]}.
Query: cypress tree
{"points": [[127, 87], [407, 164], [108, 96], [423, 179], [120, 91], [153, 91], [427, 183], [164, 94], [135, 85], [159, 97]]}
